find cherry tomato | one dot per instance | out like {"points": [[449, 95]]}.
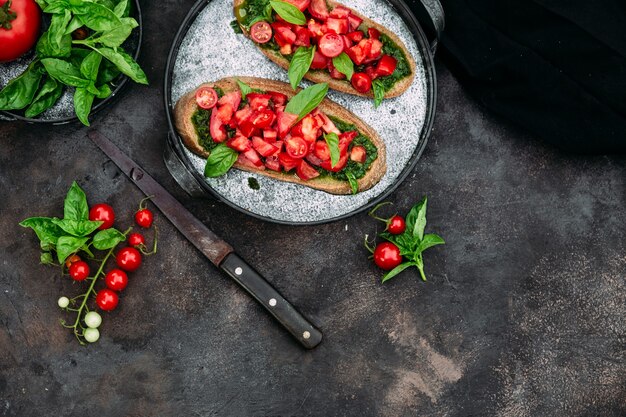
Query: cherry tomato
{"points": [[103, 213], [116, 279], [396, 225], [361, 82], [296, 147], [144, 218], [261, 32], [79, 271], [387, 256], [206, 97], [19, 28], [331, 45], [136, 239], [69, 261], [128, 259], [107, 299]]}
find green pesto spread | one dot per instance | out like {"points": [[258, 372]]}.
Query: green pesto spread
{"points": [[403, 69]]}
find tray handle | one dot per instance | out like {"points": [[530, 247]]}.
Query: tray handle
{"points": [[181, 175], [430, 11]]}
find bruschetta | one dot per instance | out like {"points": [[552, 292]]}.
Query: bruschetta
{"points": [[350, 52], [263, 126]]}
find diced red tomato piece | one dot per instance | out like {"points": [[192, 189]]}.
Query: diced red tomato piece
{"points": [[319, 9], [347, 42], [300, 4], [279, 99], [262, 147], [263, 119], [313, 160], [216, 128], [356, 36], [366, 47], [285, 121], [245, 161], [270, 135], [315, 28], [334, 72], [343, 160], [239, 143], [296, 147], [278, 145], [272, 162], [329, 126], [303, 36], [206, 97], [288, 163], [306, 172], [373, 33], [361, 82], [258, 102], [369, 70], [243, 115], [283, 32], [278, 108], [261, 32], [339, 26], [376, 49], [253, 156], [386, 65], [345, 139], [358, 154], [356, 54], [307, 129], [354, 22], [233, 99], [340, 11], [321, 150], [331, 45], [319, 61], [248, 129], [224, 113]]}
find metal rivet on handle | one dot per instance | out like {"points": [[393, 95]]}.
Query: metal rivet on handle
{"points": [[306, 335], [273, 302], [238, 271]]}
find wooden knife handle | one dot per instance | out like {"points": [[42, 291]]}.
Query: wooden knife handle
{"points": [[274, 303]]}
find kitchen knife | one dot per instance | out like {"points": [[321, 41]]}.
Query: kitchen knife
{"points": [[220, 253]]}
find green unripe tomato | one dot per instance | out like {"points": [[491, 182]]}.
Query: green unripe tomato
{"points": [[63, 302], [91, 335], [93, 320]]}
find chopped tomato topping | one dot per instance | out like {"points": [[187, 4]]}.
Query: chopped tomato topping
{"points": [[272, 162], [262, 147], [206, 97], [327, 125], [386, 65], [270, 134], [239, 143], [356, 53], [319, 61], [343, 160], [216, 128], [285, 122], [248, 129], [263, 119], [306, 172], [319, 9], [354, 22], [331, 45], [287, 161], [233, 99], [296, 147], [300, 4], [313, 160], [339, 26], [316, 29], [376, 49], [356, 36], [358, 154], [261, 32], [303, 36], [254, 157], [361, 82], [321, 150], [373, 33], [279, 99], [340, 11], [243, 115], [243, 160], [258, 102], [283, 32]]}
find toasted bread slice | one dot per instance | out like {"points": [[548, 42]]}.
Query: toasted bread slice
{"points": [[186, 107], [343, 85]]}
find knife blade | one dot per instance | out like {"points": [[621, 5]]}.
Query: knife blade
{"points": [[220, 253]]}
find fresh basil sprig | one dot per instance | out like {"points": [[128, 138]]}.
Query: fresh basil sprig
{"points": [[332, 140], [300, 64], [344, 65], [221, 159], [307, 100], [354, 185], [379, 92], [288, 12], [413, 242], [245, 89]]}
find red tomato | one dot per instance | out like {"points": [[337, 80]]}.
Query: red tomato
{"points": [[319, 9], [144, 218], [261, 32], [116, 279], [263, 119], [358, 154], [128, 259], [300, 4], [321, 150], [19, 34], [387, 256], [306, 172], [319, 61], [69, 261], [386, 65], [361, 82], [206, 97], [107, 299], [331, 45], [136, 239], [79, 271], [373, 33], [296, 147], [396, 225], [103, 213]]}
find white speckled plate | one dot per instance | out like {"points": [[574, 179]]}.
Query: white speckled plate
{"points": [[211, 50]]}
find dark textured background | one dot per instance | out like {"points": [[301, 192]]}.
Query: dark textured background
{"points": [[523, 314]]}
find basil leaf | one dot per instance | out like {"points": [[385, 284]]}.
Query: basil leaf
{"points": [[416, 220], [78, 228], [108, 72], [96, 16], [74, 24], [236, 28], [354, 185], [78, 56], [47, 96], [288, 12], [122, 9], [397, 270], [57, 28], [67, 245], [42, 3], [379, 92], [20, 91], [115, 37], [104, 91], [332, 140], [83, 100], [344, 65], [300, 64], [221, 159], [245, 89], [129, 21], [109, 4], [307, 100], [47, 232], [46, 258], [107, 239], [429, 241], [125, 63], [65, 72], [47, 50], [90, 65], [75, 204], [57, 6]]}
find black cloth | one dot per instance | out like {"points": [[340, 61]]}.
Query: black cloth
{"points": [[557, 68]]}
